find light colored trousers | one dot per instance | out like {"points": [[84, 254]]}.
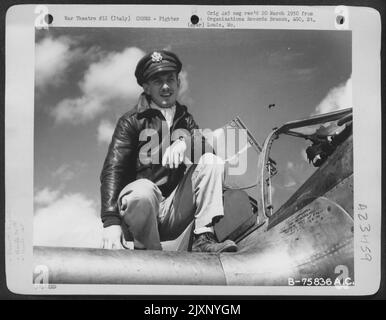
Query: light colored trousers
{"points": [[151, 218]]}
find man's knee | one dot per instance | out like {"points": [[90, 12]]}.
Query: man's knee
{"points": [[141, 188], [211, 162], [141, 192]]}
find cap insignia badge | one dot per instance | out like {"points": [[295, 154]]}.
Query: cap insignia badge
{"points": [[156, 57]]}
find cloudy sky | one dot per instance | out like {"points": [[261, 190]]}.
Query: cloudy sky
{"points": [[84, 81]]}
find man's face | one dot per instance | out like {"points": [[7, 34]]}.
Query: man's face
{"points": [[163, 88]]}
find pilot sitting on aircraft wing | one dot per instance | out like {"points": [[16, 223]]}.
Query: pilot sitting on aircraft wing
{"points": [[150, 202]]}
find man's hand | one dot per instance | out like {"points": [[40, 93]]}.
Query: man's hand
{"points": [[112, 237], [174, 154]]}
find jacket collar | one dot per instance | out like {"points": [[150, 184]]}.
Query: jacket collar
{"points": [[145, 111]]}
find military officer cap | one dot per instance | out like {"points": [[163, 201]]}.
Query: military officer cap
{"points": [[155, 62]]}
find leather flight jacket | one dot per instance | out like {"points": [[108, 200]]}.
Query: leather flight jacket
{"points": [[123, 163]]}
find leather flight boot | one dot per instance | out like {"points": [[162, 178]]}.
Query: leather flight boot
{"points": [[207, 242]]}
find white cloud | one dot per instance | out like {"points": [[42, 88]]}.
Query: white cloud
{"points": [[105, 131], [337, 98], [52, 59], [67, 172], [295, 173], [68, 221], [183, 95], [290, 183], [303, 153], [107, 84], [64, 173], [184, 83], [290, 174], [46, 196], [273, 190], [290, 165]]}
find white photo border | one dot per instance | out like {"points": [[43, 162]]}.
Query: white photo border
{"points": [[19, 140]]}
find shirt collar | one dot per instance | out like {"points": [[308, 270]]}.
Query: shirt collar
{"points": [[144, 109], [171, 109]]}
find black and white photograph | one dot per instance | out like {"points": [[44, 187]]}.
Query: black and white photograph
{"points": [[194, 157]]}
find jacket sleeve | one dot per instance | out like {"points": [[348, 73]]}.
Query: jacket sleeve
{"points": [[118, 170]]}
